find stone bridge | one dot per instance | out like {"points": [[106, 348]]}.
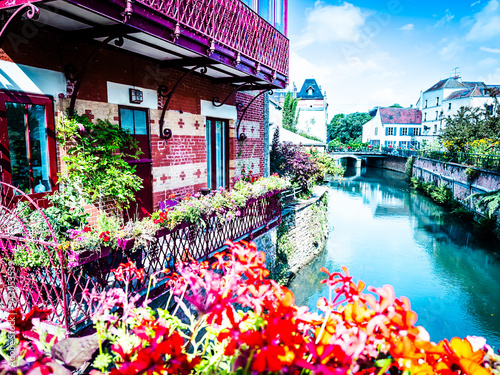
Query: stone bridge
{"points": [[359, 157]]}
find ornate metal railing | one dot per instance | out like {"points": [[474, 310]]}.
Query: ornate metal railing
{"points": [[232, 24], [61, 288]]}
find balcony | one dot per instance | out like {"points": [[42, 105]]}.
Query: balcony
{"points": [[226, 36]]}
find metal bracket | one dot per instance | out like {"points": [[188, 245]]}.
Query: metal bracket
{"points": [[243, 136], [32, 12], [165, 93], [79, 78], [239, 106]]}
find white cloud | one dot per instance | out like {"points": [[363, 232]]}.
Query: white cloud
{"points": [[475, 3], [446, 19], [329, 23], [452, 49], [487, 62], [486, 23], [490, 50], [407, 27]]}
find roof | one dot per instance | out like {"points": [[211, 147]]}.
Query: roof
{"points": [[448, 83], [469, 92], [310, 83], [400, 116]]}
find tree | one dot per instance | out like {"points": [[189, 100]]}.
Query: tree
{"points": [[396, 105], [471, 124], [290, 113], [347, 128]]}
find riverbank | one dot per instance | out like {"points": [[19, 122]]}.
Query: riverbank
{"points": [[299, 238]]}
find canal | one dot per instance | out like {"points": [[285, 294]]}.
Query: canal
{"points": [[385, 233]]}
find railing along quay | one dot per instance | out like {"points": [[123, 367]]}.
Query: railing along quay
{"points": [[486, 162], [61, 286]]}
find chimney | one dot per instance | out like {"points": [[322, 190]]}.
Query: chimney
{"points": [[294, 90]]}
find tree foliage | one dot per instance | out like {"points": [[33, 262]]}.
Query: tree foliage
{"points": [[471, 124], [347, 128], [290, 113]]}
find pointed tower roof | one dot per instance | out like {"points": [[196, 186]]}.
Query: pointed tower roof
{"points": [[310, 90]]}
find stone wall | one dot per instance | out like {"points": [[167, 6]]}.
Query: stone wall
{"points": [[300, 237], [454, 176], [393, 163]]}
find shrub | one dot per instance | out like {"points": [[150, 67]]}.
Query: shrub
{"points": [[290, 161]]}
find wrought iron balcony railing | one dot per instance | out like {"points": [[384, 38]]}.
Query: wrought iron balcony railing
{"points": [[61, 286], [232, 24]]}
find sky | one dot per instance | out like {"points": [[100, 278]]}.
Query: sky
{"points": [[371, 53]]}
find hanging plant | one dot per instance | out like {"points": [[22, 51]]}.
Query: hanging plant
{"points": [[96, 159]]}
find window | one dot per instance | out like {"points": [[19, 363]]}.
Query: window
{"points": [[217, 153], [425, 116], [416, 131], [310, 91], [389, 131], [435, 128], [29, 159], [376, 130], [449, 106], [136, 121], [404, 131], [436, 115], [403, 144], [437, 100], [390, 143], [425, 103]]}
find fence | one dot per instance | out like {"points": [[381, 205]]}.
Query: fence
{"points": [[61, 288]]}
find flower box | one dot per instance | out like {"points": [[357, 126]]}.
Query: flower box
{"points": [[87, 256]]}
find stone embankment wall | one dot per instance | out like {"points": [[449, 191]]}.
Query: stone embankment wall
{"points": [[300, 237], [454, 177], [393, 163], [462, 181]]}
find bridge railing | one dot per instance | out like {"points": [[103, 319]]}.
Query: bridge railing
{"points": [[486, 162]]}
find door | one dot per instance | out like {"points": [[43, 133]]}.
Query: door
{"points": [[217, 153], [27, 143], [136, 120]]}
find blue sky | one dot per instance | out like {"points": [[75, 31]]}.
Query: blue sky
{"points": [[369, 53]]}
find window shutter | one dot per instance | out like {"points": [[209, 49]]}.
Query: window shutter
{"points": [[386, 131], [410, 131]]}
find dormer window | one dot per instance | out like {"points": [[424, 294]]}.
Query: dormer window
{"points": [[310, 91]]}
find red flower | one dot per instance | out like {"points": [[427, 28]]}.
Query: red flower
{"points": [[128, 272], [87, 229], [105, 236], [25, 324]]}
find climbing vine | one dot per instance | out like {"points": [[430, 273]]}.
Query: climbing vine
{"points": [[96, 159]]}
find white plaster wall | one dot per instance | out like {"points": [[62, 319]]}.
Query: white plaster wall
{"points": [[119, 94], [225, 111]]}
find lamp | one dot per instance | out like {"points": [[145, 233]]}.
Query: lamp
{"points": [[135, 96]]}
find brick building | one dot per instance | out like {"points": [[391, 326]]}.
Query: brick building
{"points": [[210, 63]]}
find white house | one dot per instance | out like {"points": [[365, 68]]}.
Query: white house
{"points": [[394, 127], [445, 98], [313, 116]]}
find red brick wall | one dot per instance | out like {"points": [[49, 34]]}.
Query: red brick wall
{"points": [[179, 165]]}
